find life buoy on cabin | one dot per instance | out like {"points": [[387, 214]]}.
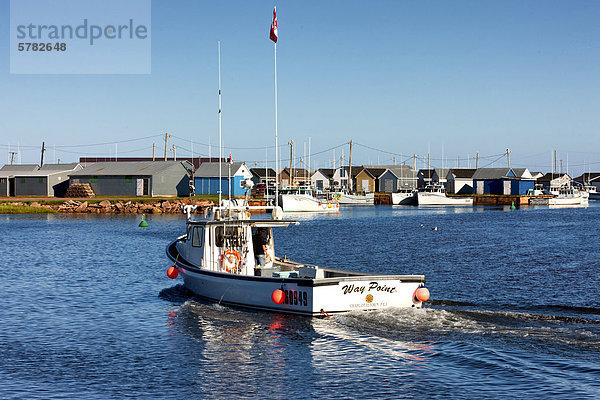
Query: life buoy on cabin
{"points": [[230, 260]]}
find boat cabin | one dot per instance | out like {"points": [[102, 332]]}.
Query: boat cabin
{"points": [[228, 246]]}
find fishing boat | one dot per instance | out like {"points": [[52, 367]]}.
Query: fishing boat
{"points": [[404, 197], [230, 259], [216, 259], [303, 200], [435, 195], [567, 195], [345, 197]]}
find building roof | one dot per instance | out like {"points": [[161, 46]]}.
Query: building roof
{"points": [[211, 169], [262, 172], [195, 161], [298, 173], [53, 169], [491, 173], [328, 172], [464, 173], [357, 168], [427, 173], [374, 172], [59, 167], [441, 172], [131, 168], [588, 176], [19, 167], [522, 173], [403, 172], [550, 176]]}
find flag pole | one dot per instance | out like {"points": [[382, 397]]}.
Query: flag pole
{"points": [[276, 144], [273, 36]]}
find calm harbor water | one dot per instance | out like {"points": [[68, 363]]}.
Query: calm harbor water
{"points": [[88, 312]]}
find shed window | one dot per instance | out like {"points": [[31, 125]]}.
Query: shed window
{"points": [[22, 180], [197, 236], [93, 179], [128, 179], [40, 180]]}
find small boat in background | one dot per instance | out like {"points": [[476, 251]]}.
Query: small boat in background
{"points": [[303, 200], [568, 195], [345, 197], [404, 197], [435, 195]]}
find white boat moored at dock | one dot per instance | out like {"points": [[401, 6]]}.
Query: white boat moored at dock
{"points": [[435, 195]]}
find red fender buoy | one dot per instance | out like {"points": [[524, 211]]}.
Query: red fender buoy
{"points": [[422, 294], [172, 272], [278, 296]]}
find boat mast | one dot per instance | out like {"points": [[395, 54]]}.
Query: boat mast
{"points": [[350, 191], [220, 144]]}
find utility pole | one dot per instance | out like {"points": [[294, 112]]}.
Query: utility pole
{"points": [[428, 162], [554, 169], [350, 169], [43, 151], [174, 154], [394, 160], [458, 159], [153, 151], [477, 160], [508, 157], [414, 162], [12, 156], [291, 143], [166, 146]]}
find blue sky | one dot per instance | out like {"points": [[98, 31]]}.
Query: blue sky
{"points": [[396, 77]]}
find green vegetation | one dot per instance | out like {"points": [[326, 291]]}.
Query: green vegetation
{"points": [[8, 209]]}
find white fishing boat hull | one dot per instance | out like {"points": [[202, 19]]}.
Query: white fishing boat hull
{"points": [[440, 199], [304, 203], [303, 295], [594, 196], [568, 201], [403, 198], [367, 199]]}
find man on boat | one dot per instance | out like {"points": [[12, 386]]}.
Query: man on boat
{"points": [[260, 241]]}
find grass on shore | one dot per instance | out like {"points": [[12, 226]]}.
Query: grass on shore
{"points": [[6, 209]]}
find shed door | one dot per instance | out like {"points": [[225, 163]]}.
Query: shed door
{"points": [[388, 186], [365, 185], [139, 190], [506, 187], [479, 187]]}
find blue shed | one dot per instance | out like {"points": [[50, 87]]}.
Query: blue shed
{"points": [[206, 178], [503, 181]]}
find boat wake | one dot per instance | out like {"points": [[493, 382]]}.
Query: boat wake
{"points": [[435, 324]]}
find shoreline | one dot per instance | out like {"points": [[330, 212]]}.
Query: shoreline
{"points": [[101, 206]]}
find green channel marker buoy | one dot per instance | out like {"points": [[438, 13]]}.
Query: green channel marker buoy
{"points": [[512, 206], [143, 224]]}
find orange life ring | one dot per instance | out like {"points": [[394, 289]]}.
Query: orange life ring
{"points": [[230, 260]]}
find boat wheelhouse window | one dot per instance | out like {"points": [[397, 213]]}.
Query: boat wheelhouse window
{"points": [[228, 236], [197, 236]]}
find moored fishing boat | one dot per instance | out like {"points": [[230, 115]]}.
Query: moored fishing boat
{"points": [[303, 200], [345, 197], [435, 195], [217, 260], [404, 197]]}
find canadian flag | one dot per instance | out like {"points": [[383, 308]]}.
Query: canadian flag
{"points": [[274, 26]]}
